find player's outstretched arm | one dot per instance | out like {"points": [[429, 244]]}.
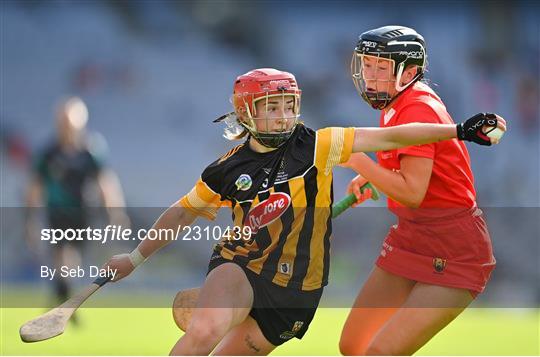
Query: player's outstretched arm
{"points": [[474, 129], [173, 217]]}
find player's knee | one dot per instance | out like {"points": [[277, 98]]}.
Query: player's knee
{"points": [[206, 330]]}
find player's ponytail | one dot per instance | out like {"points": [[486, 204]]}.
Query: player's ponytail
{"points": [[235, 136], [234, 130]]}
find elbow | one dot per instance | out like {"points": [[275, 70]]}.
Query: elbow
{"points": [[414, 204], [414, 201], [410, 203]]}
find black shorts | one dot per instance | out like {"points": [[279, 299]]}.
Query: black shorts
{"points": [[281, 313]]}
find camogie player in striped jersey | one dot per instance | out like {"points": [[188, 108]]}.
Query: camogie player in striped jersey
{"points": [[263, 288]]}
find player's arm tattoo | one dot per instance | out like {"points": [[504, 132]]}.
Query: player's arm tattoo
{"points": [[251, 344]]}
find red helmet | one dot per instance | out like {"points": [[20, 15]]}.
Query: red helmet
{"points": [[260, 84]]}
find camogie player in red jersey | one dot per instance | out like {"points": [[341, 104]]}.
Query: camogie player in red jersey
{"points": [[263, 287], [438, 256]]}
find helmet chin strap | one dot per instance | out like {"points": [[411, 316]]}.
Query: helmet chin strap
{"points": [[381, 100], [269, 140], [377, 100]]}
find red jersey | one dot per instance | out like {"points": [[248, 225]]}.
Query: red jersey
{"points": [[451, 183]]}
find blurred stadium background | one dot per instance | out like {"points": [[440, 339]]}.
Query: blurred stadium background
{"points": [[154, 75]]}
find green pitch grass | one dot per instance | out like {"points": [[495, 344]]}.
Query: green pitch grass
{"points": [[151, 331]]}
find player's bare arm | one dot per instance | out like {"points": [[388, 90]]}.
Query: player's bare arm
{"points": [[173, 217], [408, 185], [382, 139]]}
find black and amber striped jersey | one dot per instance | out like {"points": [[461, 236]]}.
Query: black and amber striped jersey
{"points": [[284, 197]]}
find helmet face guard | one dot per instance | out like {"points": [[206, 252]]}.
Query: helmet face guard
{"points": [[378, 99], [263, 128], [402, 47], [272, 87]]}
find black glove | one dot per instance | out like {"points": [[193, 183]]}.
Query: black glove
{"points": [[471, 129]]}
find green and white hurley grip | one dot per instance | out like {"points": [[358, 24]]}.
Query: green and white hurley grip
{"points": [[348, 201]]}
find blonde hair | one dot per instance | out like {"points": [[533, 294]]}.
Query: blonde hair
{"points": [[234, 130], [235, 136]]}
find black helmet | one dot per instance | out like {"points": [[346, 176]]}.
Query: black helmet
{"points": [[402, 45]]}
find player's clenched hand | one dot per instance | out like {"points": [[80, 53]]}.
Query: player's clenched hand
{"points": [[354, 187], [483, 129], [122, 264]]}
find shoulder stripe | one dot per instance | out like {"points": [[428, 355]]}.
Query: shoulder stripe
{"points": [[336, 147], [202, 200], [196, 201], [230, 153]]}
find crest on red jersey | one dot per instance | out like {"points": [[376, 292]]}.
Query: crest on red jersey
{"points": [[439, 264]]}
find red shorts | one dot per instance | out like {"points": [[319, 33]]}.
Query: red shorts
{"points": [[453, 251]]}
